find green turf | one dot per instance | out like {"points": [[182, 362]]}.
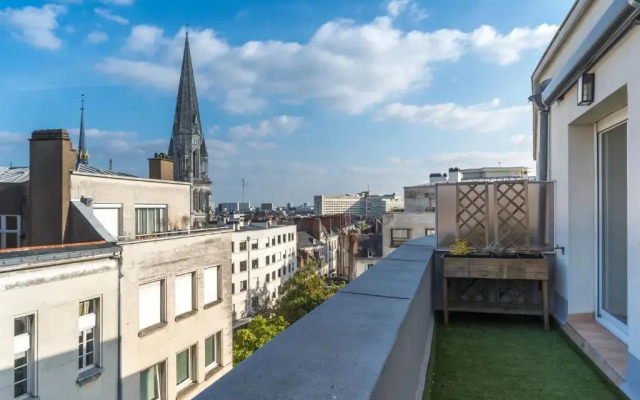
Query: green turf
{"points": [[510, 358]]}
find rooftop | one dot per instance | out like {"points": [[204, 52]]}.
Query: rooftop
{"points": [[14, 174], [26, 255]]}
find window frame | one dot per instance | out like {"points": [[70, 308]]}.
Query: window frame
{"points": [[192, 352], [217, 347], [218, 287], [193, 294], [243, 286], [82, 337], [4, 230], [254, 244], [30, 360], [255, 263], [242, 246], [163, 305], [399, 242], [161, 383], [163, 218], [245, 266]]}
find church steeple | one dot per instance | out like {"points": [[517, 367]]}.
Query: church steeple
{"points": [[187, 116], [83, 154]]}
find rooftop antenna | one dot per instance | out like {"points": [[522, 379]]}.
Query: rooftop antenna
{"points": [[243, 185], [499, 163], [110, 164]]}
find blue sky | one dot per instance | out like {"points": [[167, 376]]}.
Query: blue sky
{"points": [[298, 97]]}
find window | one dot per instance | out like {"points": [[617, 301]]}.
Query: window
{"points": [[279, 239], [243, 286], [279, 272], [273, 275], [233, 288], [152, 383], [109, 217], [150, 304], [273, 295], [9, 231], [185, 364], [233, 268], [266, 278], [254, 264], [273, 241], [88, 334], [267, 260], [399, 236], [23, 371], [150, 219], [184, 294], [212, 351], [284, 271], [429, 232], [233, 247], [273, 258], [243, 266], [211, 286], [243, 246], [254, 245], [369, 253], [369, 266], [254, 302]]}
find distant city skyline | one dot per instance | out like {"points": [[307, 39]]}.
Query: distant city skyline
{"points": [[318, 98]]}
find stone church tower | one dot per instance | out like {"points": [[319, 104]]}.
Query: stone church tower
{"points": [[187, 147]]}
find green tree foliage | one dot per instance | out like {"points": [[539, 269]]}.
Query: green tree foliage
{"points": [[259, 331], [304, 291]]}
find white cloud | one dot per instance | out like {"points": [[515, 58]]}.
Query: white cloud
{"points": [[481, 118], [35, 26], [348, 66], [506, 49], [402, 161], [219, 146], [119, 2], [520, 139], [261, 145], [141, 71], [397, 7], [281, 125], [109, 15], [70, 29], [7, 138], [119, 143], [97, 37], [144, 39]]}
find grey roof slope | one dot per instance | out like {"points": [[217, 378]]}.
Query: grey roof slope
{"points": [[90, 169], [305, 239], [45, 253], [372, 241], [14, 174]]}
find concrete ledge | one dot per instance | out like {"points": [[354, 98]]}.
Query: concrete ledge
{"points": [[372, 340]]}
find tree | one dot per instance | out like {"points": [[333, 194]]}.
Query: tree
{"points": [[258, 332], [304, 291]]}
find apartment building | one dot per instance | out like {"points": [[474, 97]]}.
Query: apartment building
{"points": [[586, 91], [158, 294], [361, 204], [320, 238], [263, 257]]}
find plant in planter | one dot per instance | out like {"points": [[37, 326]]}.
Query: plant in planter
{"points": [[459, 248]]}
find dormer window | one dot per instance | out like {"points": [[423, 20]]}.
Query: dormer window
{"points": [[370, 253]]}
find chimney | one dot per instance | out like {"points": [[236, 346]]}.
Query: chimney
{"points": [[161, 167], [455, 175], [51, 160], [437, 177]]}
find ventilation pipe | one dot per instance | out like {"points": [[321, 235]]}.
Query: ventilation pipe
{"points": [[543, 147]]}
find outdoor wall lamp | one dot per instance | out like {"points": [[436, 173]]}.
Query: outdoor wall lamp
{"points": [[586, 89]]}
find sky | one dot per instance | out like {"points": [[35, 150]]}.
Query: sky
{"points": [[299, 97]]}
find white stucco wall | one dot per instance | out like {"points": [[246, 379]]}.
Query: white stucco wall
{"points": [[52, 292], [131, 191], [150, 260], [573, 168], [418, 222]]}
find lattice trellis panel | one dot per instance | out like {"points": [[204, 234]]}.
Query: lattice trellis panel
{"points": [[512, 216], [472, 214], [489, 292]]}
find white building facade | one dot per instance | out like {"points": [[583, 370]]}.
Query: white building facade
{"points": [[263, 258], [360, 204], [586, 91]]}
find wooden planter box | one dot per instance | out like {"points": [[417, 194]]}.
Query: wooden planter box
{"points": [[497, 268]]}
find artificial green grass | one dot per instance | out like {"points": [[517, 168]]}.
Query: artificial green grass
{"points": [[504, 357]]}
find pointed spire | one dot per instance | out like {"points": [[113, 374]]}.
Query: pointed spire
{"points": [[83, 154], [187, 116]]}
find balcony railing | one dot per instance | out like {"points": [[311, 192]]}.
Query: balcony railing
{"points": [[168, 234]]}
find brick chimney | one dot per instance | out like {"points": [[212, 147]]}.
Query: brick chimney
{"points": [[161, 167], [51, 160]]}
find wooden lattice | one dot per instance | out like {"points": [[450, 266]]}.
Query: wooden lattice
{"points": [[472, 212], [512, 216]]}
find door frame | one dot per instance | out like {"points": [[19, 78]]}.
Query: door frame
{"points": [[611, 323]]}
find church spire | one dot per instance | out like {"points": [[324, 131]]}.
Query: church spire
{"points": [[187, 116], [83, 154]]}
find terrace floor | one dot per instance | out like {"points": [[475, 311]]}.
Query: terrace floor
{"points": [[506, 357]]}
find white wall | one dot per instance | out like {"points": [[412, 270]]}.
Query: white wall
{"points": [[53, 292], [286, 256], [418, 222]]}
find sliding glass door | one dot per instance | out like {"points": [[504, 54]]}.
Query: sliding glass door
{"points": [[612, 190]]}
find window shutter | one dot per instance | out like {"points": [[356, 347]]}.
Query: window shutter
{"points": [[86, 321], [210, 285], [149, 304], [109, 218], [21, 343], [184, 293]]}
